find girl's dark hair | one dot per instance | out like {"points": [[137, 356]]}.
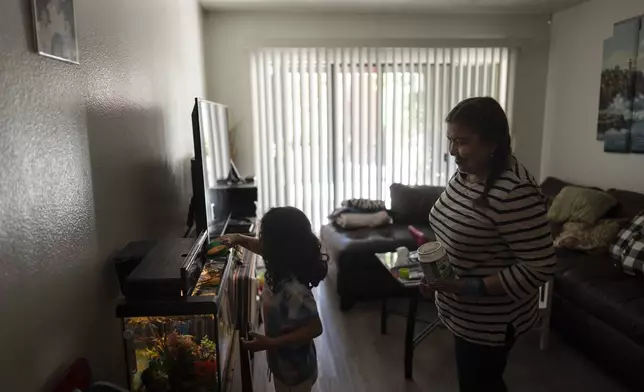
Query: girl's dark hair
{"points": [[291, 249], [485, 117]]}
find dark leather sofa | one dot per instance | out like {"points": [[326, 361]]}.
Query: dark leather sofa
{"points": [[598, 308]]}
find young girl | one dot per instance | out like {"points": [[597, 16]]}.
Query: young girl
{"points": [[294, 265]]}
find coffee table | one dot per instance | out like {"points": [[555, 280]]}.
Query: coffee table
{"points": [[411, 287]]}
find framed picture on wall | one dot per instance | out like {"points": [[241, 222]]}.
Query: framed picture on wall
{"points": [[55, 29], [617, 85], [637, 129]]}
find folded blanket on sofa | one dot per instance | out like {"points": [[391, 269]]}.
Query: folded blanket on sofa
{"points": [[365, 205], [343, 210], [361, 220], [356, 206]]}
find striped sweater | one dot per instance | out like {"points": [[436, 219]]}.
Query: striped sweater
{"points": [[511, 239]]}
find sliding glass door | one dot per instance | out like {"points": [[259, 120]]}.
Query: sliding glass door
{"points": [[334, 124]]}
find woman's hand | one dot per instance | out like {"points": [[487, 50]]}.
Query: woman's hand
{"points": [[230, 239], [453, 286], [425, 290], [258, 342]]}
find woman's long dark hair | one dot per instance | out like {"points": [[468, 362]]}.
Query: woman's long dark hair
{"points": [[291, 249], [485, 117]]}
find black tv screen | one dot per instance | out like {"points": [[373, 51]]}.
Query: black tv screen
{"points": [[211, 163]]}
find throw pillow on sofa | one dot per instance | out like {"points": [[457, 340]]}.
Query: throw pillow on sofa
{"points": [[586, 237], [411, 205], [633, 258], [628, 248], [579, 204]]}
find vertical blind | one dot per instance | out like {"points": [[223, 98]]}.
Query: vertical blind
{"points": [[337, 123]]}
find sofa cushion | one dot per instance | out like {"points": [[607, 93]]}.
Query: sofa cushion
{"points": [[552, 186], [595, 285], [579, 204], [411, 205], [629, 204]]}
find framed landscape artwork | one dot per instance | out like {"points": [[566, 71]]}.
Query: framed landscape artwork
{"points": [[637, 129], [55, 27], [617, 89]]}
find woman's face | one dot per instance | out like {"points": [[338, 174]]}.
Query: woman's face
{"points": [[472, 154]]}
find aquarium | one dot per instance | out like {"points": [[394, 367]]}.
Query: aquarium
{"points": [[172, 353], [183, 344]]}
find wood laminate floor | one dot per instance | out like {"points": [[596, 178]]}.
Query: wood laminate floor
{"points": [[354, 357]]}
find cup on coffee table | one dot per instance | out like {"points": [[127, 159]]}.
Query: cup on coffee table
{"points": [[434, 261]]}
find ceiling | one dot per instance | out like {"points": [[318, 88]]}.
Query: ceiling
{"points": [[447, 6]]}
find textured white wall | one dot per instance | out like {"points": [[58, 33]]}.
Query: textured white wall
{"points": [[91, 157], [230, 37], [571, 151]]}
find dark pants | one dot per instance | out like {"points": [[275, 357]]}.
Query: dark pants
{"points": [[480, 368]]}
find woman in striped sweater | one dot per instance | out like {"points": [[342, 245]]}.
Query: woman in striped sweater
{"points": [[492, 221]]}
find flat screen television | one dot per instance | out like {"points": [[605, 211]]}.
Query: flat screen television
{"points": [[211, 163]]}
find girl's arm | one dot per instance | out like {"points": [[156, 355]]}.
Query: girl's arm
{"points": [[304, 334], [250, 243]]}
